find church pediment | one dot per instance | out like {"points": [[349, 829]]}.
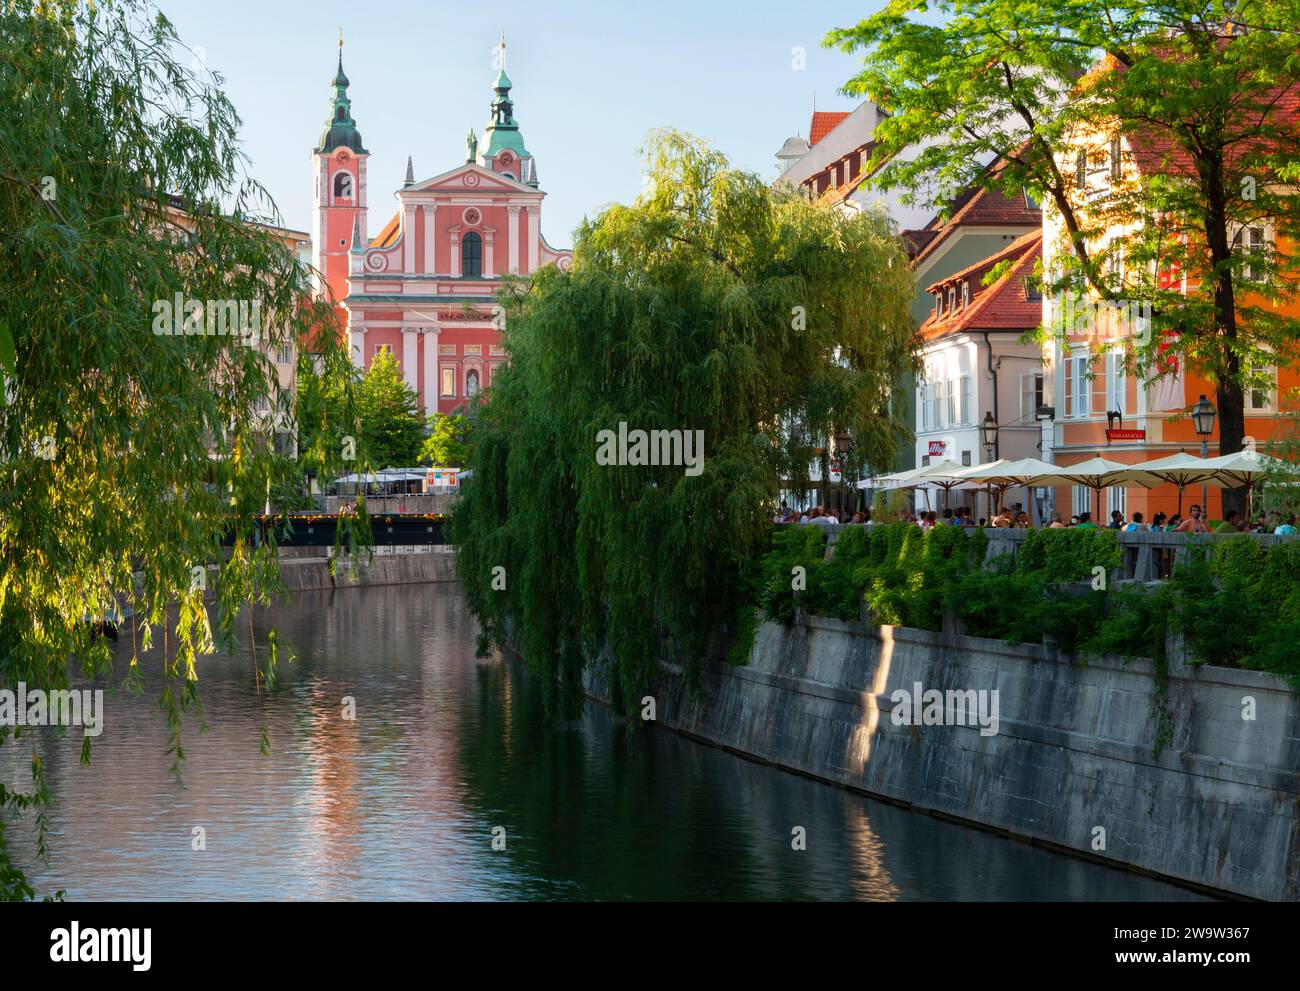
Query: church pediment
{"points": [[470, 178]]}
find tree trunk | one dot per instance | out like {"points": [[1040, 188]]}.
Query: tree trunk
{"points": [[1230, 396]]}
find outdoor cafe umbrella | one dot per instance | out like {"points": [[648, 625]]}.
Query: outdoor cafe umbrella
{"points": [[1181, 469], [945, 474], [1095, 473], [1246, 468], [1004, 474], [916, 477]]}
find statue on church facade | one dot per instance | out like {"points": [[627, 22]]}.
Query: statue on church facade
{"points": [[471, 145]]}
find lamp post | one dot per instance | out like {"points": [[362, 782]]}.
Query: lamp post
{"points": [[1046, 416], [989, 437], [1203, 414]]}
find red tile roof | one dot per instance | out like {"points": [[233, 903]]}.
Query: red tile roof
{"points": [[1004, 305], [823, 122], [980, 207]]}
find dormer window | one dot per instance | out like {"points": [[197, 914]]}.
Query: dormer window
{"points": [[965, 294], [952, 300]]}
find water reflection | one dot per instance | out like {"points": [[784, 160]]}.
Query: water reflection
{"points": [[401, 802]]}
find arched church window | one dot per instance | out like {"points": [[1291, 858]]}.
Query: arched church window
{"points": [[471, 383], [343, 185], [471, 255]]}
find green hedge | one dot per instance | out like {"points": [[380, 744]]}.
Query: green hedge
{"points": [[1237, 602]]}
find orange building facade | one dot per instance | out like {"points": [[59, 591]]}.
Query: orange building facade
{"points": [[1103, 405]]}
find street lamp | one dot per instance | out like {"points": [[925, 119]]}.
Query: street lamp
{"points": [[1203, 414], [1046, 416], [989, 436]]}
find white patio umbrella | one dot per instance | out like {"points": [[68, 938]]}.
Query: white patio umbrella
{"points": [[1247, 468], [945, 474], [1181, 469], [1004, 474], [1095, 473]]}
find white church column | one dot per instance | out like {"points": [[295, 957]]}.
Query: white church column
{"points": [[455, 254], [430, 218], [489, 261], [430, 370], [534, 237], [512, 240], [408, 239], [409, 360], [357, 338]]}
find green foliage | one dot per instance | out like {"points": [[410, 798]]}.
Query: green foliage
{"points": [[1236, 604], [712, 303], [450, 443], [392, 429], [126, 452]]}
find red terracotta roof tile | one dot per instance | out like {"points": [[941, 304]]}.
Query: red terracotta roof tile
{"points": [[1004, 305], [823, 122]]}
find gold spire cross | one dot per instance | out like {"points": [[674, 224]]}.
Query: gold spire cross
{"points": [[340, 40]]}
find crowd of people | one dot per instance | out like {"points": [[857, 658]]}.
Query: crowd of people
{"points": [[1016, 518]]}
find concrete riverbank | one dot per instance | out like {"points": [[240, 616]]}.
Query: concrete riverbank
{"points": [[1082, 758]]}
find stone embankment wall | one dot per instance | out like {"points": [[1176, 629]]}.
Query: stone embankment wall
{"points": [[1191, 777]]}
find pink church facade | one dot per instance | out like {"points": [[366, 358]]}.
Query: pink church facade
{"points": [[424, 288]]}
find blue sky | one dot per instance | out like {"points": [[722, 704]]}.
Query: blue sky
{"points": [[591, 79]]}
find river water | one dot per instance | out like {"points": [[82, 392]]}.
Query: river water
{"points": [[445, 750]]}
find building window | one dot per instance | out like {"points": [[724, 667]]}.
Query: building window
{"points": [[952, 300], [952, 402], [1031, 201], [378, 348], [1116, 382], [1251, 241], [285, 355], [448, 381], [1116, 168], [1078, 398], [1080, 500], [964, 409], [471, 383], [1117, 496], [923, 402], [471, 255], [936, 399], [925, 461], [1259, 398], [965, 459], [965, 294], [1081, 169], [343, 185], [1031, 395]]}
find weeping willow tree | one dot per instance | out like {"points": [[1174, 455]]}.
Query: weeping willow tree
{"points": [[141, 303], [712, 304]]}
